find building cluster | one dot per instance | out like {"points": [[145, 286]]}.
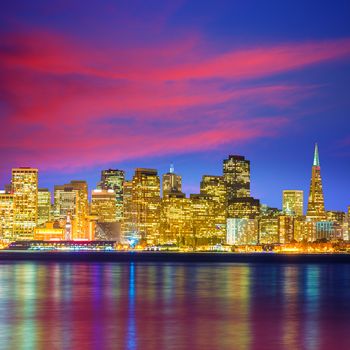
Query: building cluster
{"points": [[141, 211]]}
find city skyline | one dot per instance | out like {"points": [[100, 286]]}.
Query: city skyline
{"points": [[190, 190], [146, 211], [178, 83]]}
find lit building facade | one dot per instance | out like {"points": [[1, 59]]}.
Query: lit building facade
{"points": [[328, 230], [49, 232], [236, 174], [242, 231], [6, 216], [269, 230], [103, 205], [204, 228], [25, 199], [293, 202], [128, 227], [146, 203], [171, 182], [71, 200], [113, 179], [286, 228], [44, 206], [304, 230], [236, 171], [247, 208], [214, 186], [315, 209], [176, 219]]}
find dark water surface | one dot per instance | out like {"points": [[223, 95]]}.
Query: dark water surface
{"points": [[174, 306]]}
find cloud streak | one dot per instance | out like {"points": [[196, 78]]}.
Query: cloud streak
{"points": [[68, 105]]}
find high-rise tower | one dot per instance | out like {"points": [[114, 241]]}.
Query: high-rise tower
{"points": [[171, 182], [25, 200], [237, 177], [72, 200], [293, 202], [315, 208], [146, 203], [113, 179], [240, 204], [44, 206]]}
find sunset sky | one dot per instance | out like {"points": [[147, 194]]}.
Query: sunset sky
{"points": [[88, 85]]}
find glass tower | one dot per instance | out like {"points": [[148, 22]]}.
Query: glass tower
{"points": [[315, 209]]}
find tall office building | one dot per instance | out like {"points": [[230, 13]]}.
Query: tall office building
{"points": [[242, 231], [103, 205], [244, 208], [71, 200], [113, 179], [6, 216], [315, 209], [240, 204], [175, 219], [64, 201], [129, 218], [214, 186], [237, 177], [269, 230], [146, 203], [304, 229], [172, 183], [204, 228], [44, 206], [25, 199], [286, 228], [293, 202], [103, 214]]}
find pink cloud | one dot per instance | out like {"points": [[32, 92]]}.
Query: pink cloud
{"points": [[61, 149], [180, 60], [70, 105]]}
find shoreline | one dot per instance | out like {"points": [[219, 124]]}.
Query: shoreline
{"points": [[191, 257]]}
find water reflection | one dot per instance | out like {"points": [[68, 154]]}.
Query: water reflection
{"points": [[173, 306]]}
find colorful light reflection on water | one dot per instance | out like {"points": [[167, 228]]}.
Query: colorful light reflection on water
{"points": [[174, 306]]}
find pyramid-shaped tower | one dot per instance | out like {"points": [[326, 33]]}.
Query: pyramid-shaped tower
{"points": [[315, 208]]}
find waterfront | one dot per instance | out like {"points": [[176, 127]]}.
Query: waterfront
{"points": [[173, 306]]}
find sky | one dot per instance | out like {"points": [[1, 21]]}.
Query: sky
{"points": [[91, 85]]}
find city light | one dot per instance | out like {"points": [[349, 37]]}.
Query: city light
{"points": [[132, 214]]}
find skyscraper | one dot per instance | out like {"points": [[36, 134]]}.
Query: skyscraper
{"points": [[286, 228], [25, 199], [172, 183], [315, 209], [236, 170], [103, 213], [6, 216], [103, 205], [214, 186], [293, 202], [237, 177], [242, 231], [204, 229], [175, 219], [71, 200], [113, 179], [129, 216], [44, 206], [146, 202]]}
